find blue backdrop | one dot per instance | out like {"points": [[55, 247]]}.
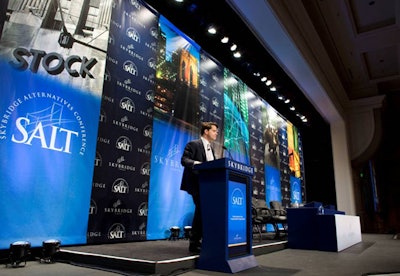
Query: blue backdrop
{"points": [[47, 146], [168, 205]]}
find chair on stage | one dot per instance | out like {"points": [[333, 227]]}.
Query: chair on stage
{"points": [[261, 215], [279, 217]]}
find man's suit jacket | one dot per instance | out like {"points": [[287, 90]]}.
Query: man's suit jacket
{"points": [[194, 151]]}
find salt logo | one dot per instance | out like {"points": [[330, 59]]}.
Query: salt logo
{"points": [[203, 107], [145, 169], [116, 231], [47, 140], [98, 161], [237, 197], [136, 4], [120, 186], [127, 104], [133, 34], [93, 207], [142, 210], [123, 143], [148, 131], [151, 63], [150, 95], [130, 67], [154, 32]]}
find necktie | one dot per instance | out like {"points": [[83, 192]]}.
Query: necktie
{"points": [[209, 154]]}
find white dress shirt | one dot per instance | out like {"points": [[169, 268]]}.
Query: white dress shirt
{"points": [[207, 148]]}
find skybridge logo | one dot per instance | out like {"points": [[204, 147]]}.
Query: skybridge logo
{"points": [[57, 126]]}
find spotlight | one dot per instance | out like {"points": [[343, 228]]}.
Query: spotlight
{"points": [[233, 47], [187, 231], [237, 54], [175, 231], [212, 30], [19, 253], [225, 39], [50, 248]]}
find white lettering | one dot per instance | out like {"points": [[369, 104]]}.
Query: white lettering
{"points": [[39, 133]]}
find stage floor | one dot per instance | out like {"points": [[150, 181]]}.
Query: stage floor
{"points": [[161, 257]]}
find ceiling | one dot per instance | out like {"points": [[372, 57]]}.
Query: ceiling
{"points": [[362, 37], [359, 38]]}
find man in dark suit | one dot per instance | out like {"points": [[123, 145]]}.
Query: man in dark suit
{"points": [[196, 152]]}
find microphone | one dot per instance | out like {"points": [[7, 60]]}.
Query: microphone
{"points": [[229, 153]]}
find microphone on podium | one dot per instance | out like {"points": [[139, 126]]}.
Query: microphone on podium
{"points": [[229, 153]]}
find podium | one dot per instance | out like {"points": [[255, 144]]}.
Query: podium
{"points": [[225, 198]]}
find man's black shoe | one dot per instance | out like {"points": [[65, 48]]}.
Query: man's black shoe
{"points": [[193, 248]]}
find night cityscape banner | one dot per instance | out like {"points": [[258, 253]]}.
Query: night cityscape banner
{"points": [[177, 113]]}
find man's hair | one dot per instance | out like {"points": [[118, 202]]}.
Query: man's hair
{"points": [[207, 125]]}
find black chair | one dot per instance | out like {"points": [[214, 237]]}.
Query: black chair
{"points": [[261, 215], [279, 217]]}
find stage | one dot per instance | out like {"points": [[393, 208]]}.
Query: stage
{"points": [[161, 257]]}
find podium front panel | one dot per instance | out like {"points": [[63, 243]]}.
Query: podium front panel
{"points": [[237, 218]]}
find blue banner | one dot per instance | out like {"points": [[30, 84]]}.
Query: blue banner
{"points": [[49, 110], [168, 205], [47, 142], [273, 184], [295, 191]]}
